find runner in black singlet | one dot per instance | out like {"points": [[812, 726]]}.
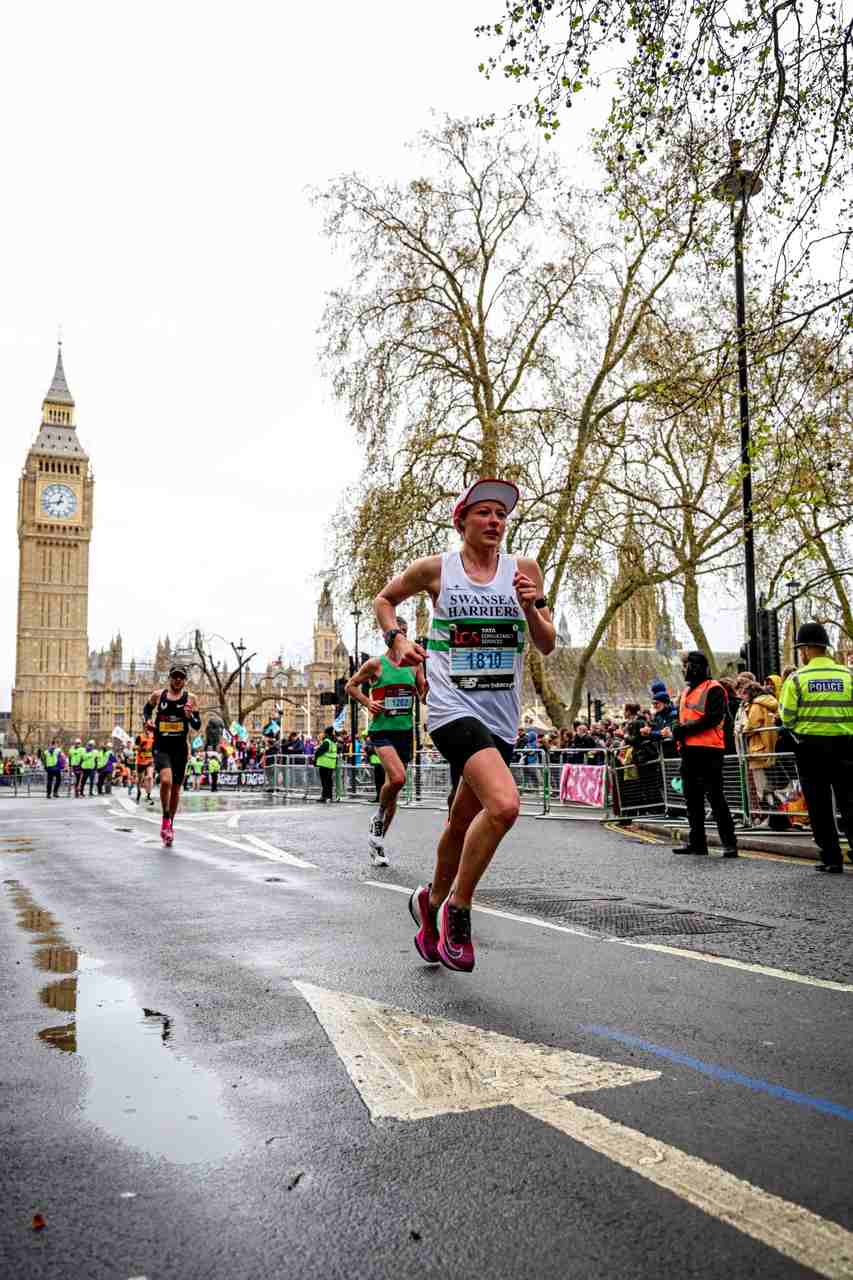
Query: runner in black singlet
{"points": [[171, 713]]}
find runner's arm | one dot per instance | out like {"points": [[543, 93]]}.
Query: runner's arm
{"points": [[368, 672], [529, 586], [421, 575]]}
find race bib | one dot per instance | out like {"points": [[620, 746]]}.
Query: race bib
{"points": [[171, 726], [397, 700], [482, 655], [397, 704]]}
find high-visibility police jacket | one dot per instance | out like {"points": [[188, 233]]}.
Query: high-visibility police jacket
{"points": [[691, 707], [213, 764], [327, 754], [51, 758], [75, 757], [101, 758], [197, 764], [89, 759], [817, 700]]}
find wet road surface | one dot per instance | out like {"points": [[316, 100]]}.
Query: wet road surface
{"points": [[221, 1062]]}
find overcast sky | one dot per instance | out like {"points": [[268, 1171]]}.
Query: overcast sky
{"points": [[155, 174]]}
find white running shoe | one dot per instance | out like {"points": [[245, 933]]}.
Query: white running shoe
{"points": [[378, 858], [376, 834]]}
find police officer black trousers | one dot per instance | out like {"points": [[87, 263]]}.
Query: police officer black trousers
{"points": [[702, 776], [826, 769]]}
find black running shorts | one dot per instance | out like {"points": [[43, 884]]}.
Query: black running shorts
{"points": [[399, 739], [461, 739], [175, 759]]}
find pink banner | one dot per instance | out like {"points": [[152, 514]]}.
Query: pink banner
{"points": [[583, 783]]}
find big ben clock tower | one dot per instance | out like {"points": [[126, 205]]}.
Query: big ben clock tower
{"points": [[54, 530]]}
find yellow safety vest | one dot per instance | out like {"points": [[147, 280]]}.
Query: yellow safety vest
{"points": [[817, 700], [327, 757]]}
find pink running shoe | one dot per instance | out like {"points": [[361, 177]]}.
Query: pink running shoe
{"points": [[455, 948], [166, 833], [426, 938]]}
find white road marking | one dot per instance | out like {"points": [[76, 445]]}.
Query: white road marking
{"points": [[791, 1230], [259, 848], [408, 1067], [233, 821], [726, 961], [282, 856]]}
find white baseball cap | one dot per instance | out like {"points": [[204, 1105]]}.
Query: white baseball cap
{"points": [[486, 491]]}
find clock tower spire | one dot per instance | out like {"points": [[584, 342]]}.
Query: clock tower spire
{"points": [[55, 511]]}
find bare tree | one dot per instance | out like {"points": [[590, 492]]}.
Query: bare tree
{"points": [[776, 75]]}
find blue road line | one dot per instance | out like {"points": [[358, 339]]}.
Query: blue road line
{"points": [[723, 1073]]}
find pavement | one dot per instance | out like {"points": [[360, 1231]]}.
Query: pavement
{"points": [[226, 1060], [790, 844]]}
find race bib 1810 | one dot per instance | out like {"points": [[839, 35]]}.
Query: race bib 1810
{"points": [[482, 654]]}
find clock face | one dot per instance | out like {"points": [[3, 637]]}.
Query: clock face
{"points": [[59, 501]]}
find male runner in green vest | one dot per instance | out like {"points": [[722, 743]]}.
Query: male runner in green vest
{"points": [[391, 702]]}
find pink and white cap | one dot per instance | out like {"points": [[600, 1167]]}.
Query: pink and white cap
{"points": [[486, 491]]}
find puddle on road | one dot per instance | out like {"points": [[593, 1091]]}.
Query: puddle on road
{"points": [[139, 1089]]}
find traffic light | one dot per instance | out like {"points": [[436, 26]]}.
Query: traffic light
{"points": [[598, 709], [769, 662], [340, 687], [328, 698]]}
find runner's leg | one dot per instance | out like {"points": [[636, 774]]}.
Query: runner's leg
{"points": [[486, 776], [464, 808], [179, 769], [166, 789], [395, 778]]}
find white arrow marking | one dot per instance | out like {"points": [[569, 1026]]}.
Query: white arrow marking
{"points": [[407, 1067]]}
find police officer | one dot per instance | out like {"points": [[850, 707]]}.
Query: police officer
{"points": [[75, 760], [816, 706], [53, 767], [699, 734]]}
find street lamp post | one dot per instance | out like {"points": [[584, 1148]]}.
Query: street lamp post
{"points": [[239, 650], [355, 614], [132, 687], [735, 188]]}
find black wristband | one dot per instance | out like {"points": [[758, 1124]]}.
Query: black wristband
{"points": [[540, 603]]}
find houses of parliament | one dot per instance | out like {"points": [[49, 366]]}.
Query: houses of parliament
{"points": [[62, 688]]}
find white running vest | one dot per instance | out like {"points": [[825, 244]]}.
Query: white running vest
{"points": [[476, 649]]}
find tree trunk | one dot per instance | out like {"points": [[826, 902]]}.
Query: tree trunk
{"points": [[545, 690], [693, 619], [837, 585]]}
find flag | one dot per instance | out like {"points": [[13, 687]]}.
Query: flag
{"points": [[341, 720], [198, 741], [238, 731], [119, 733]]}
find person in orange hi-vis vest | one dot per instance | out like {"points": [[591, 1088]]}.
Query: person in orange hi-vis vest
{"points": [[700, 737]]}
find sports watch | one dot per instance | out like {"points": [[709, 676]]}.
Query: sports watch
{"points": [[391, 636], [540, 603]]}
